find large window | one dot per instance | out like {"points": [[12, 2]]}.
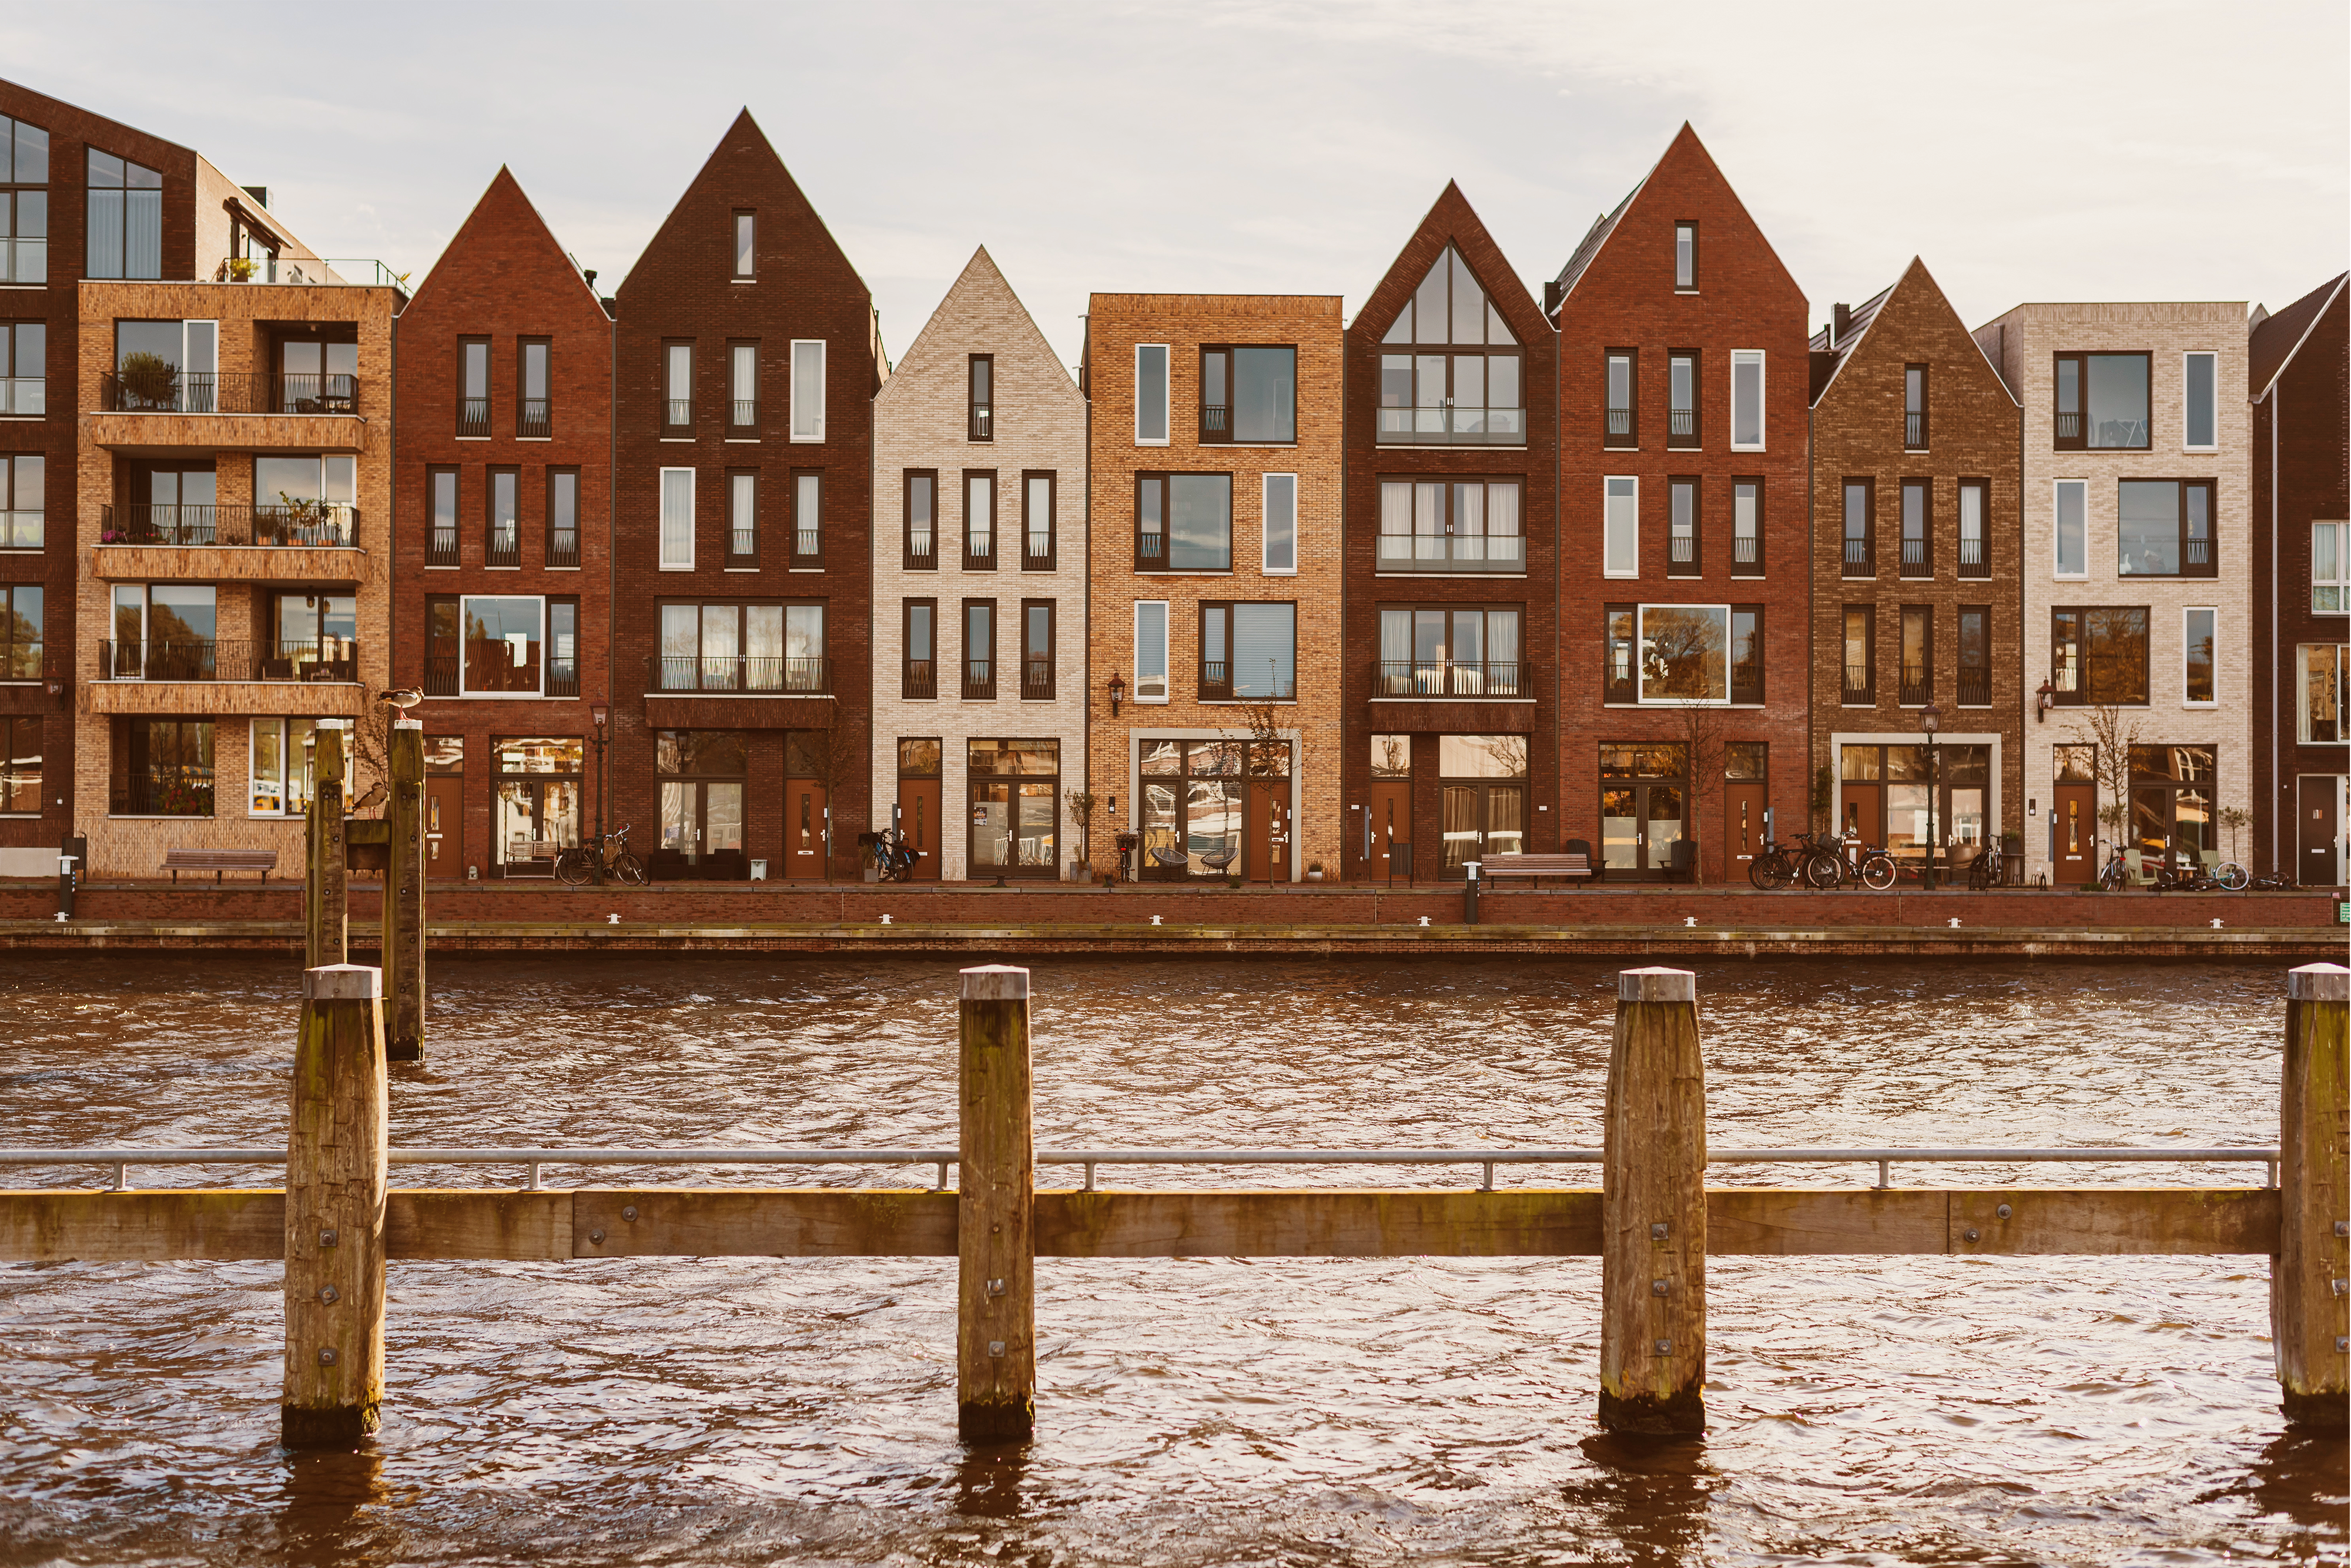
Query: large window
{"points": [[1183, 522], [1249, 653], [1683, 653], [703, 774], [2200, 401], [808, 389], [2330, 567], [1620, 550], [1015, 807], [2320, 669], [1481, 780], [2071, 534], [24, 202], [20, 766], [1451, 526], [2097, 655], [1038, 553], [677, 519], [2198, 636], [315, 638], [1461, 650], [2165, 528], [20, 632], [162, 768], [1195, 801], [24, 368], [278, 776], [1450, 371], [1248, 395], [502, 519], [763, 649], [23, 506], [2173, 790], [1746, 400], [535, 810], [1151, 650], [1278, 557], [979, 519], [2102, 402], [1151, 394], [922, 536], [126, 218]]}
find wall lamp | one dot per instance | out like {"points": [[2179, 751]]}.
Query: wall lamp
{"points": [[1117, 693]]}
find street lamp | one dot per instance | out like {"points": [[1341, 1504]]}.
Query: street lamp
{"points": [[597, 713], [1930, 719]]}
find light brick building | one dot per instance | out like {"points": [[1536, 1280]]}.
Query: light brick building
{"points": [[980, 592], [1215, 619]]}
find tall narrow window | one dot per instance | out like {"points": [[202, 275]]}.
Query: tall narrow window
{"points": [[2200, 401], [1975, 503], [677, 386], [126, 218], [1681, 401], [1860, 655], [742, 518], [441, 501], [1623, 425], [808, 389], [24, 510], [1746, 400], [980, 411], [563, 516], [1747, 527], [472, 386], [1682, 556], [921, 552], [24, 204], [677, 519], [533, 414], [1621, 528], [1685, 256], [1036, 648], [1151, 394], [20, 765], [24, 367], [1151, 522], [503, 532], [2198, 633], [978, 520], [2330, 567], [1280, 524], [2071, 542], [807, 519], [1917, 655], [1914, 407], [1151, 650], [1975, 655], [921, 677], [743, 386], [1917, 538], [1037, 522], [20, 632], [1747, 652], [980, 649], [746, 250], [1860, 542]]}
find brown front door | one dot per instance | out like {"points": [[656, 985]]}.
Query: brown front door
{"points": [[1388, 821], [2076, 857], [445, 825], [2318, 836], [1743, 826], [1269, 831], [918, 819], [804, 825], [1865, 814]]}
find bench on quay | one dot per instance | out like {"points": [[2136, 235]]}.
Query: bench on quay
{"points": [[220, 862], [1574, 867]]}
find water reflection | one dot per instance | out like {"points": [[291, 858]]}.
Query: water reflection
{"points": [[330, 1510], [987, 1481], [1647, 1495]]}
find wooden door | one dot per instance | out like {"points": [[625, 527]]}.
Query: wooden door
{"points": [[1267, 851], [1865, 814], [918, 819], [2318, 832], [804, 825], [445, 825], [1389, 821], [1743, 826], [2076, 861]]}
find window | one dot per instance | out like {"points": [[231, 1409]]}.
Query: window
{"points": [[563, 516], [500, 646], [1860, 655], [1450, 371], [1183, 522], [808, 389], [126, 221], [1249, 652], [1471, 651], [920, 637], [677, 519], [1746, 400], [1917, 656], [535, 812], [163, 631], [1917, 528], [2102, 402], [747, 247], [1036, 648], [1671, 654], [1747, 527], [743, 386], [2071, 534], [2322, 668], [1975, 655], [472, 386], [2197, 637], [2165, 528], [304, 501], [1037, 522], [2200, 401], [1014, 806], [1621, 528], [1450, 525], [1914, 407], [1248, 395], [533, 414], [440, 506], [24, 368], [921, 552], [1860, 534], [979, 650], [1623, 428], [1151, 650], [163, 768], [502, 519], [1747, 654], [808, 517], [1280, 554], [444, 639], [20, 632], [2171, 797], [763, 649], [1681, 400], [315, 377], [979, 423], [279, 773], [2097, 655], [978, 520], [20, 763], [23, 513], [162, 367], [742, 518], [1681, 529], [24, 212], [563, 647], [2330, 567], [1685, 256], [1151, 394], [1975, 502]]}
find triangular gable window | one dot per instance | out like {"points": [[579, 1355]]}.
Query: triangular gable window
{"points": [[1457, 382]]}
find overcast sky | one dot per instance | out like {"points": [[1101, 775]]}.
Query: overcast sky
{"points": [[2149, 150]]}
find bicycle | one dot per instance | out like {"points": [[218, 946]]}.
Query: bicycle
{"points": [[893, 857], [1780, 865], [578, 866]]}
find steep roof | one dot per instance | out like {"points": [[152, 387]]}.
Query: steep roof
{"points": [[1594, 238], [743, 139], [505, 204], [2275, 339], [1860, 317], [981, 282], [1683, 148], [1451, 218]]}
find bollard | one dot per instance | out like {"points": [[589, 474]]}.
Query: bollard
{"points": [[1652, 1211], [996, 1316], [324, 876], [404, 896], [335, 1164], [1470, 893], [2310, 1315], [68, 863]]}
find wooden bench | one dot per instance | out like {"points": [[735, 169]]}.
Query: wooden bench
{"points": [[220, 862], [1576, 868]]}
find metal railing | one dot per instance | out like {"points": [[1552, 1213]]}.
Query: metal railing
{"points": [[1747, 682], [1857, 687], [440, 675], [743, 413], [1216, 685], [807, 544], [502, 545], [173, 391], [742, 544], [563, 546], [1444, 678], [1150, 549], [1040, 552], [1914, 558], [325, 526], [440, 545], [922, 678], [1213, 421], [738, 672], [535, 417], [1746, 550], [2199, 556], [922, 550], [677, 411], [1857, 561], [1914, 432], [1972, 562], [473, 416], [1452, 552], [1975, 688], [983, 422], [1037, 678], [1681, 427], [1446, 424], [1620, 428], [1918, 684], [333, 659], [980, 678]]}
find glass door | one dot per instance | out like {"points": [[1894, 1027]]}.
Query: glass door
{"points": [[1620, 829]]}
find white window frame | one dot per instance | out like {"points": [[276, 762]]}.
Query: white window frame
{"points": [[2185, 356], [1640, 644], [661, 520], [1167, 650], [546, 651], [1166, 395], [287, 749], [1633, 569], [1762, 401], [2057, 526], [1265, 530], [2185, 611], [807, 431], [2341, 580]]}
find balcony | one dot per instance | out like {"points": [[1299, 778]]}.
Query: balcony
{"points": [[807, 547], [1681, 428], [1452, 552], [535, 417], [320, 525], [922, 679], [1975, 687], [502, 545], [1971, 559], [1858, 559], [1914, 432], [173, 390], [1448, 426], [1444, 678], [563, 546], [759, 676], [474, 416], [1858, 690], [1036, 679], [330, 660], [163, 792], [1915, 561], [2069, 426], [1918, 685], [742, 547], [1622, 431], [1217, 685], [979, 680], [922, 550]]}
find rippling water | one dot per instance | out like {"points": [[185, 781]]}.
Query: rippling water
{"points": [[1903, 1409]]}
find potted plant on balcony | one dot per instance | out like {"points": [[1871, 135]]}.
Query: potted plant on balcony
{"points": [[149, 382], [241, 270]]}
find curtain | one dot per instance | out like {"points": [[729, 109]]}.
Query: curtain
{"points": [[1265, 650], [677, 516]]}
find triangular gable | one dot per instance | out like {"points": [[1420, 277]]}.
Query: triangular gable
{"points": [[1668, 169], [504, 205], [744, 141], [981, 281]]}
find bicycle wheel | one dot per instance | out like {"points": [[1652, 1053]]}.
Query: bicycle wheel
{"points": [[574, 868], [1823, 871], [1981, 877], [1877, 871], [628, 870], [1767, 873], [2113, 877]]}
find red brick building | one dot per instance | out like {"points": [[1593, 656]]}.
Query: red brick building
{"points": [[2300, 359], [748, 358], [502, 586], [1450, 680], [1683, 544]]}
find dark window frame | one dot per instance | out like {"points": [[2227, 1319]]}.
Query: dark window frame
{"points": [[1038, 671], [1915, 684], [473, 413], [1620, 644], [735, 247], [974, 561], [1915, 390], [541, 421], [1148, 558], [2185, 543], [554, 682], [2083, 691], [918, 678], [14, 748], [1692, 563], [807, 541], [1222, 434], [1629, 438], [22, 659], [1923, 567], [743, 544], [1981, 566], [2079, 441], [739, 604], [1494, 678], [443, 547], [1161, 482], [442, 663], [1686, 283], [978, 683], [1865, 694], [677, 413], [1974, 677], [492, 554], [743, 413], [1685, 430], [1221, 688], [557, 555], [1747, 693], [1755, 568], [1867, 567], [1030, 560], [979, 412], [919, 559]]}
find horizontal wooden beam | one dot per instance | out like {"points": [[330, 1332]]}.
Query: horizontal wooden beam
{"points": [[224, 1224]]}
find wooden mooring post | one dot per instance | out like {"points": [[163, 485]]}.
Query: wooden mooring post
{"points": [[996, 1309], [336, 1160], [2310, 1313], [325, 874], [403, 894]]}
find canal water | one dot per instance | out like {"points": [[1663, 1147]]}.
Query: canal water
{"points": [[1923, 1410]]}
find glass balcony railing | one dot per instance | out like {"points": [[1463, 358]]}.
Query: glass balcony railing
{"points": [[1448, 426], [1452, 552]]}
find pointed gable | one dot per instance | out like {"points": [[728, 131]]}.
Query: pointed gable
{"points": [[1639, 235], [1450, 284], [1911, 321], [504, 240], [980, 309], [743, 171]]}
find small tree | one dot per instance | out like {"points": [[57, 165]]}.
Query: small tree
{"points": [[1081, 804], [2235, 819], [2112, 731], [1823, 796], [1702, 729]]}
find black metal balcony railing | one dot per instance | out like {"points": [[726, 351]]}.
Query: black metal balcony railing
{"points": [[980, 678], [738, 672], [1857, 688], [922, 678], [1150, 549], [743, 413], [473, 416], [1037, 678], [1213, 417], [677, 411], [1453, 425], [1452, 552], [1918, 684], [302, 525], [1444, 678], [742, 544], [1040, 552], [535, 417], [1857, 561], [808, 544], [163, 792], [502, 545], [1914, 432], [1971, 559], [328, 659], [922, 550], [1913, 559], [440, 545], [1681, 427], [1975, 687], [1620, 428], [563, 546], [173, 390]]}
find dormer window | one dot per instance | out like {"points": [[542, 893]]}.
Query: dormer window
{"points": [[1449, 367]]}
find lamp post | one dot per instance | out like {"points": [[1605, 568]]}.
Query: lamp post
{"points": [[597, 713], [1930, 719]]}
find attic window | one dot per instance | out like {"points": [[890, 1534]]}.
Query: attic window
{"points": [[1449, 367]]}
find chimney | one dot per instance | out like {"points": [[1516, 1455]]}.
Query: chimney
{"points": [[258, 192], [589, 273], [1844, 324], [1551, 297]]}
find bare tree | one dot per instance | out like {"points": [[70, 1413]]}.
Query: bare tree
{"points": [[1081, 804], [2112, 731], [1702, 740], [835, 755]]}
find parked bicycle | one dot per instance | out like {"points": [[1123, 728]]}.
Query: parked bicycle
{"points": [[599, 858], [893, 855]]}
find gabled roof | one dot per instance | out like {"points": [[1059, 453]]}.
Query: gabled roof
{"points": [[1860, 317], [1857, 320], [1684, 146], [743, 137], [2276, 337], [981, 282], [505, 202], [1451, 218], [1596, 236]]}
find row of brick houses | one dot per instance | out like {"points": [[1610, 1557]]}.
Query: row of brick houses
{"points": [[1635, 562]]}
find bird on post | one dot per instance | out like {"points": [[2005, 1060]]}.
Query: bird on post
{"points": [[401, 697], [373, 799]]}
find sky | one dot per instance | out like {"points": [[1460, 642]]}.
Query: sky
{"points": [[2027, 151]]}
